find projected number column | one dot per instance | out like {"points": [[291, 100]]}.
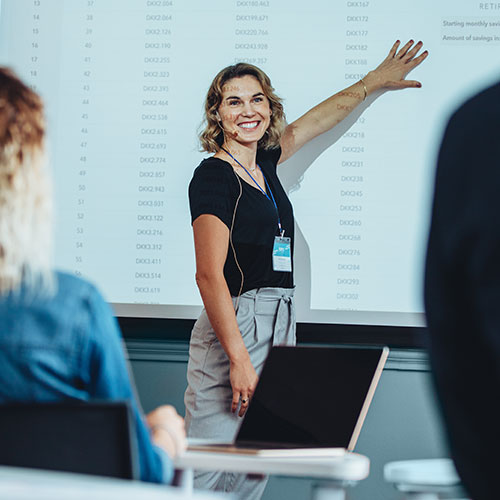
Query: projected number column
{"points": [[252, 32], [34, 58], [152, 198], [352, 193], [31, 41], [83, 111]]}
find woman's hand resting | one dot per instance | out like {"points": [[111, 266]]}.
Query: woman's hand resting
{"points": [[243, 378]]}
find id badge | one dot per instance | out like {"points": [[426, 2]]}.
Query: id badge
{"points": [[282, 255]]}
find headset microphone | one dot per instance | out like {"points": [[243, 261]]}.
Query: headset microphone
{"points": [[232, 133]]}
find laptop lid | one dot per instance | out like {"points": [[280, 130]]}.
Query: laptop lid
{"points": [[312, 397]]}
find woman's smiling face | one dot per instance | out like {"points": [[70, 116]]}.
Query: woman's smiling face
{"points": [[244, 111]]}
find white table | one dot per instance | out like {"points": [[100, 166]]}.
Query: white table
{"points": [[428, 479], [34, 484], [333, 474]]}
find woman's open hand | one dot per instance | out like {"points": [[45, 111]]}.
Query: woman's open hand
{"points": [[391, 72]]}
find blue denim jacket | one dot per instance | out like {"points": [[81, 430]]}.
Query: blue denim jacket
{"points": [[69, 346]]}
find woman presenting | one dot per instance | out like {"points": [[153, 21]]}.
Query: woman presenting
{"points": [[244, 232]]}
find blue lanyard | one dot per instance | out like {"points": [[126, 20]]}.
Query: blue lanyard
{"points": [[282, 231]]}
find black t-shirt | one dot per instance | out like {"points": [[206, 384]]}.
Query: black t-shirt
{"points": [[214, 190]]}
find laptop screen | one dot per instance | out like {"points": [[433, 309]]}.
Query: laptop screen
{"points": [[312, 396]]}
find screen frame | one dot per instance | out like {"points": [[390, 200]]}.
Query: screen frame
{"points": [[166, 329]]}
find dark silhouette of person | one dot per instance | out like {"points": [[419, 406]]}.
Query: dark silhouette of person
{"points": [[462, 290]]}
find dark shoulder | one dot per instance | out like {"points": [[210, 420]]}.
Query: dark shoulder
{"points": [[268, 158], [212, 176], [485, 100], [470, 147], [473, 129], [213, 168], [483, 107]]}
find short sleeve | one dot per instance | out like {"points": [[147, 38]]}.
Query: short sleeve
{"points": [[213, 191], [269, 157]]}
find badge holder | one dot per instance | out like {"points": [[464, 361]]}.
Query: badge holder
{"points": [[282, 254]]}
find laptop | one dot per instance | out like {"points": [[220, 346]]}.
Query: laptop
{"points": [[309, 402]]}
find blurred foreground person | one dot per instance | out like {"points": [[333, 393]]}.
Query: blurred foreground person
{"points": [[462, 289], [58, 337]]}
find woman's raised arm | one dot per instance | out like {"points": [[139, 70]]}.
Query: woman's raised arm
{"points": [[389, 75]]}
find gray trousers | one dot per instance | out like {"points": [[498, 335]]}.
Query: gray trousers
{"points": [[266, 317]]}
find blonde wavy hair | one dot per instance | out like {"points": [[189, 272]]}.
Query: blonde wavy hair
{"points": [[212, 135], [25, 189]]}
